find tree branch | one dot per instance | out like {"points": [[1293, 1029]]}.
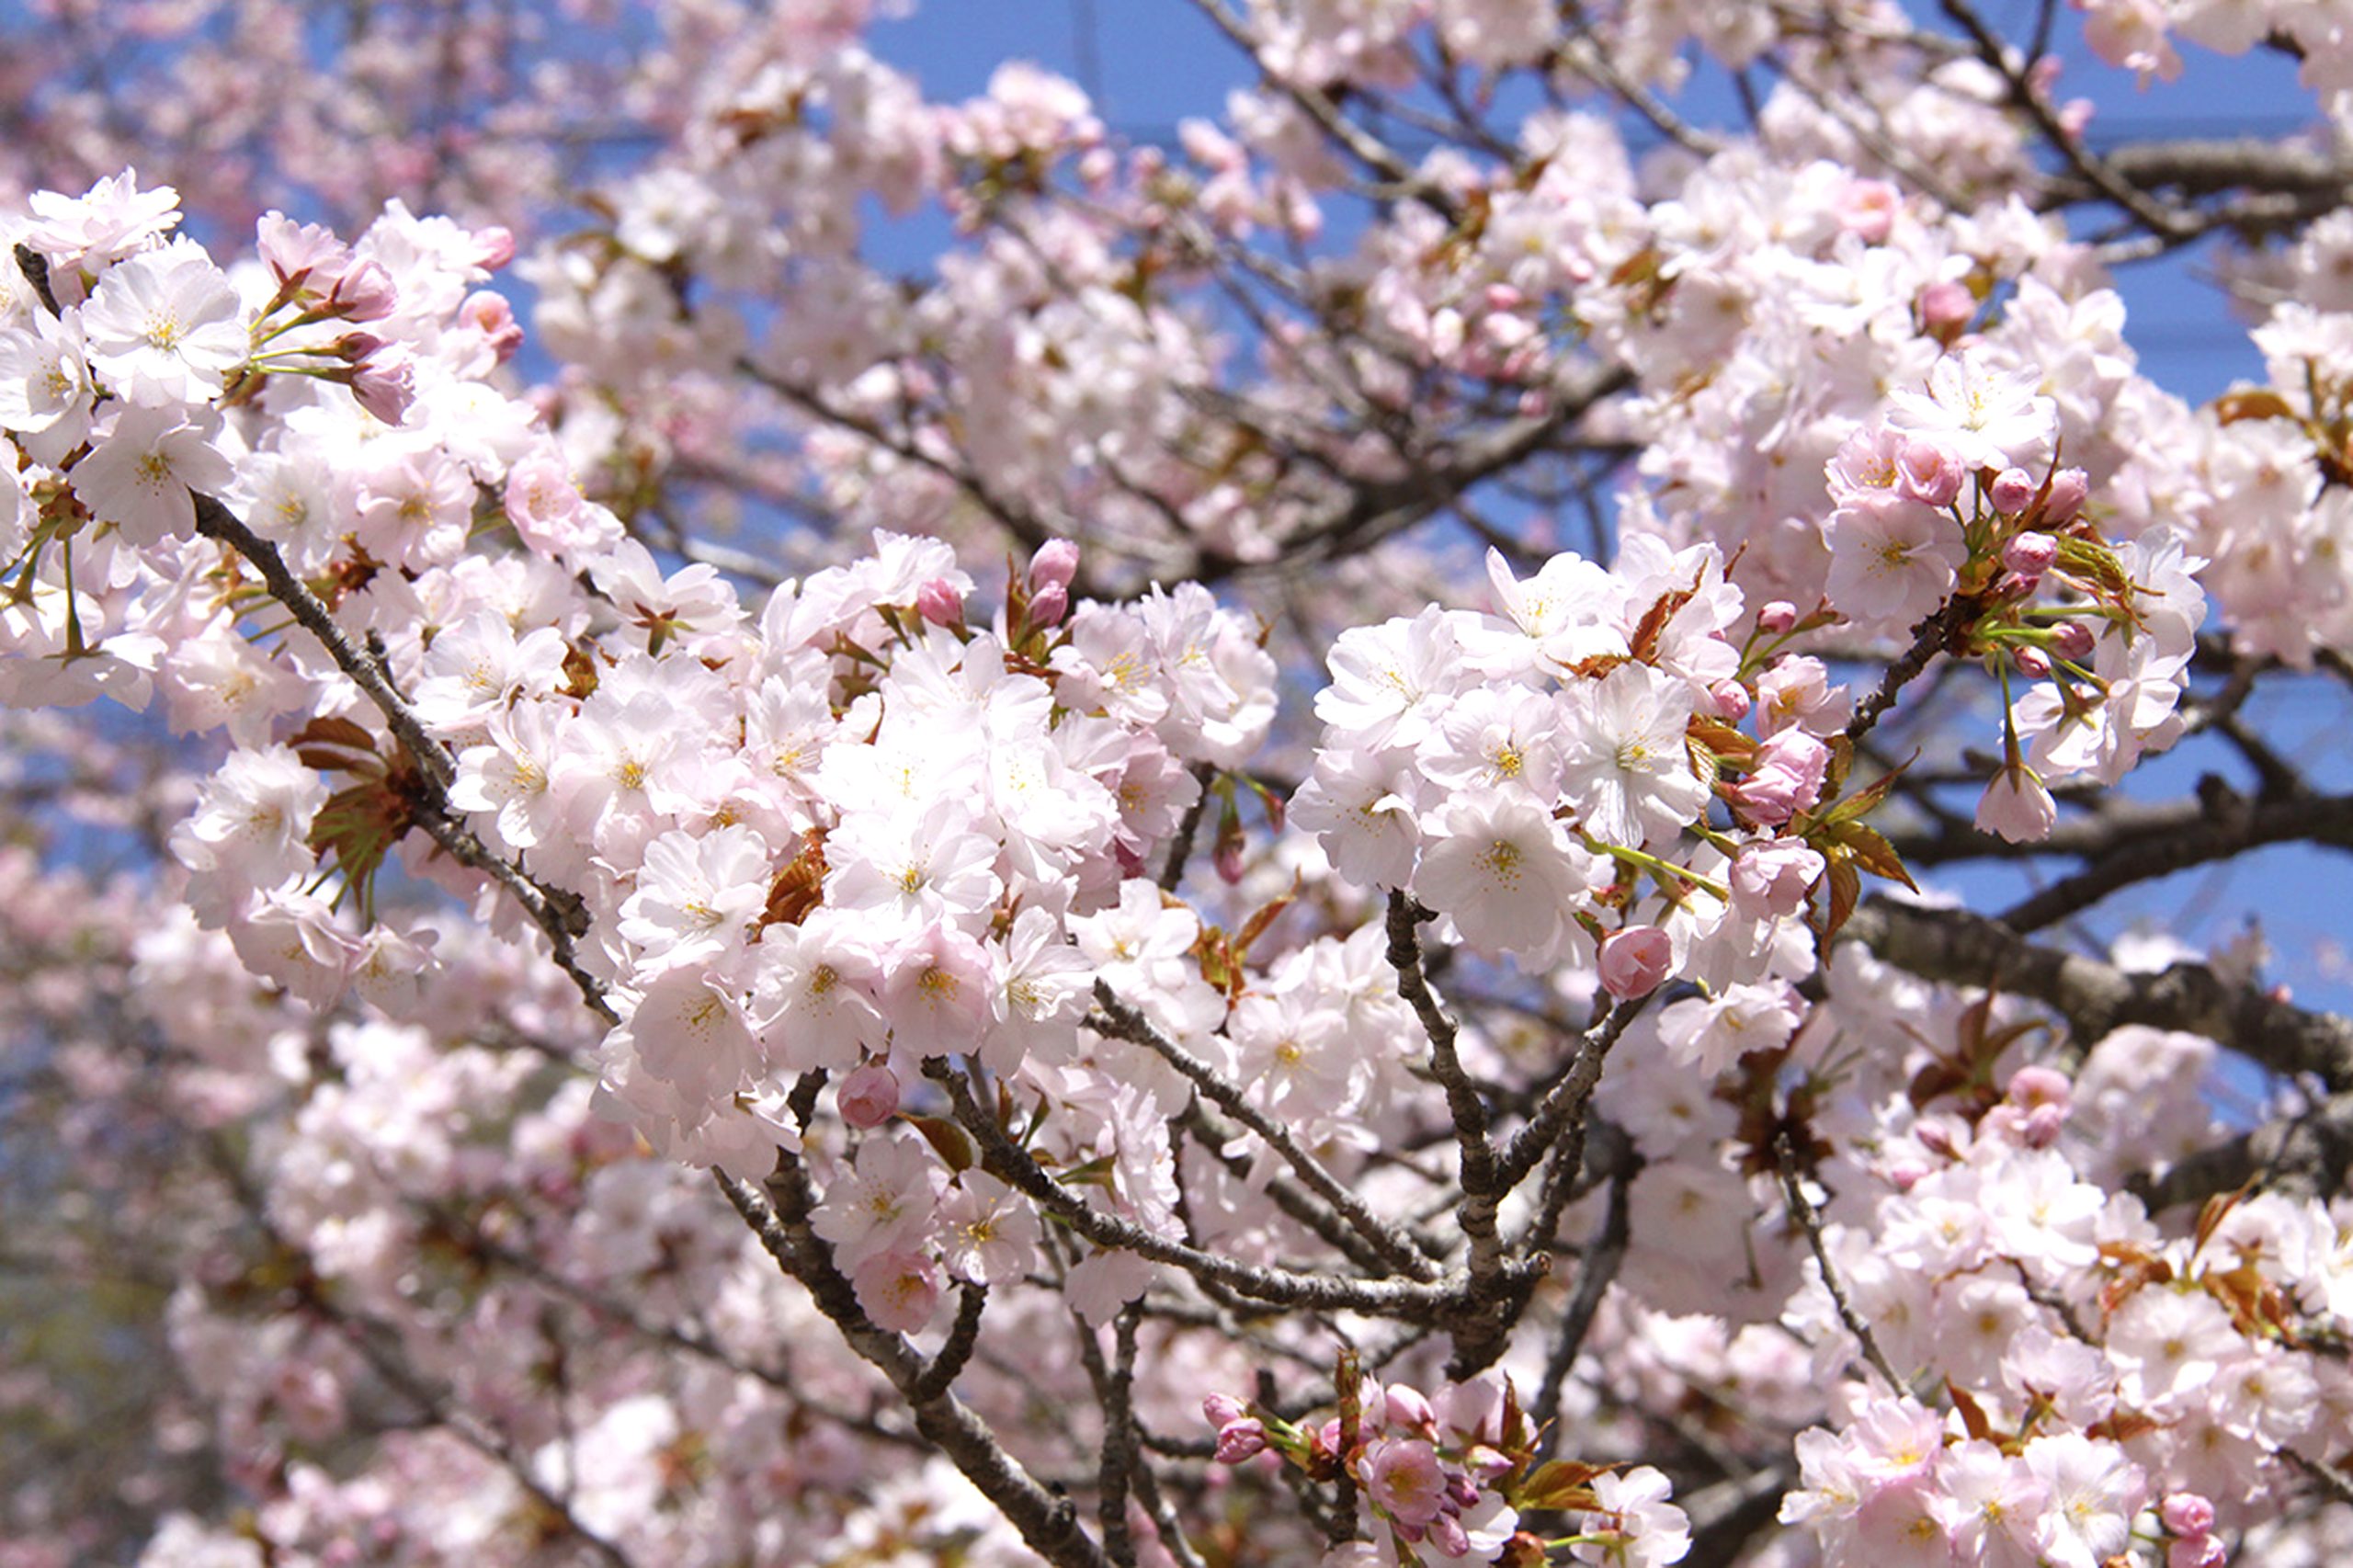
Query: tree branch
{"points": [[1049, 1524], [1282, 1287], [2303, 1154], [1801, 1211], [1399, 1250], [1962, 949]]}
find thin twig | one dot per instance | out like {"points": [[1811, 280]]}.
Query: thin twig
{"points": [[1124, 1022], [1282, 1286], [1603, 1255], [1049, 1523], [1802, 1210]]}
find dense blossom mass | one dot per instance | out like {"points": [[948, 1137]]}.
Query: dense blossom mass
{"points": [[1058, 908]]}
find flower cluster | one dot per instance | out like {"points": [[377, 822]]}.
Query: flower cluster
{"points": [[1447, 1478]]}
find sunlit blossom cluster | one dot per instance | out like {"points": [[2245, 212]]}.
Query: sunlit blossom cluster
{"points": [[631, 1029]]}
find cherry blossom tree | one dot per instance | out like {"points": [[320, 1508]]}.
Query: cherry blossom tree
{"points": [[1393, 835]]}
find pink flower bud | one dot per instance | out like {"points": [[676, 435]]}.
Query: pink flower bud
{"points": [[1928, 471], [2071, 640], [1634, 960], [2042, 1126], [1241, 1439], [2030, 555], [2196, 1551], [1055, 566], [494, 247], [1487, 1463], [494, 318], [1222, 1409], [2070, 488], [2186, 1513], [869, 1096], [385, 384], [2013, 491], [1732, 700], [1777, 617], [364, 293], [2041, 1085], [1048, 606], [1407, 1407], [1449, 1536], [2031, 661], [1228, 860], [1946, 306], [1786, 778], [939, 603]]}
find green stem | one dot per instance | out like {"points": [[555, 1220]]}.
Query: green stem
{"points": [[1656, 867]]}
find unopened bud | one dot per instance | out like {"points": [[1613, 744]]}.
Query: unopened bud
{"points": [[2041, 1127], [1946, 307], [2013, 491], [1777, 617], [2040, 1085], [364, 293], [1240, 1440], [492, 317], [1048, 606], [2031, 661], [1732, 700], [1055, 566], [2187, 1513], [1407, 1407], [494, 247], [2070, 488], [939, 603], [385, 384], [1634, 960], [1222, 1409], [868, 1096], [2071, 640], [2030, 555]]}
